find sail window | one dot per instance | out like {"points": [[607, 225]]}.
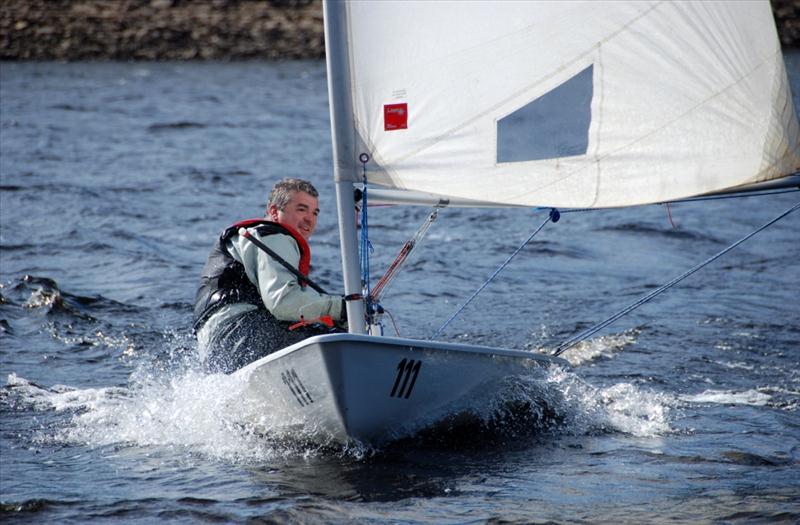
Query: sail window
{"points": [[554, 125]]}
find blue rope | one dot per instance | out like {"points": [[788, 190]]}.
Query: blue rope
{"points": [[366, 246], [553, 216], [596, 328]]}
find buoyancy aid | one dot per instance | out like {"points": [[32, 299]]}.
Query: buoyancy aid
{"points": [[224, 280]]}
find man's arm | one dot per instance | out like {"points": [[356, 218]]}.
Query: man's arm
{"points": [[280, 291]]}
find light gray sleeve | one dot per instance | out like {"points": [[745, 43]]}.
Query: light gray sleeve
{"points": [[279, 288]]}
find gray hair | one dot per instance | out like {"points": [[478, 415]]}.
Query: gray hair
{"points": [[282, 192]]}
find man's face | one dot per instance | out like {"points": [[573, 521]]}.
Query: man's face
{"points": [[300, 214]]}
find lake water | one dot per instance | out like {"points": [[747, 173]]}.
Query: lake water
{"points": [[117, 176]]}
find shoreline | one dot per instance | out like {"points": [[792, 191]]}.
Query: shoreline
{"points": [[200, 30]]}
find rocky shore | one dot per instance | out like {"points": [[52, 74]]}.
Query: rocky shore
{"points": [[193, 29], [160, 29]]}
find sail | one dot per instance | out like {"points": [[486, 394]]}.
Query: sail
{"points": [[567, 104]]}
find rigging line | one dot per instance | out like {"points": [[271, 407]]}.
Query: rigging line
{"points": [[571, 210], [404, 253], [733, 196], [366, 245], [553, 216], [394, 324], [765, 193], [596, 328]]}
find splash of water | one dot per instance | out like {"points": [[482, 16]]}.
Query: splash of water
{"points": [[191, 411], [203, 414], [623, 407], [605, 346]]}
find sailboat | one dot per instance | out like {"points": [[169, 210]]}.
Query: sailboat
{"points": [[557, 105]]}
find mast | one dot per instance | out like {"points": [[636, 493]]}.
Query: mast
{"points": [[343, 141]]}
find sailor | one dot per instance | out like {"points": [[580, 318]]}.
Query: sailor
{"points": [[251, 303]]}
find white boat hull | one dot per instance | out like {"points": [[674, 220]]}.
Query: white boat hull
{"points": [[341, 388]]}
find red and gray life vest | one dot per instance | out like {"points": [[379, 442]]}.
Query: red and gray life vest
{"points": [[224, 280]]}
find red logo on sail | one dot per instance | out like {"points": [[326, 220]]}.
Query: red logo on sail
{"points": [[395, 116]]}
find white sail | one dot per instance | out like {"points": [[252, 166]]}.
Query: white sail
{"points": [[568, 104]]}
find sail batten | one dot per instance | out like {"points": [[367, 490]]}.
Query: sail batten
{"points": [[681, 98]]}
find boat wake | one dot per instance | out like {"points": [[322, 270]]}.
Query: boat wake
{"points": [[752, 397], [203, 414], [167, 401]]}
